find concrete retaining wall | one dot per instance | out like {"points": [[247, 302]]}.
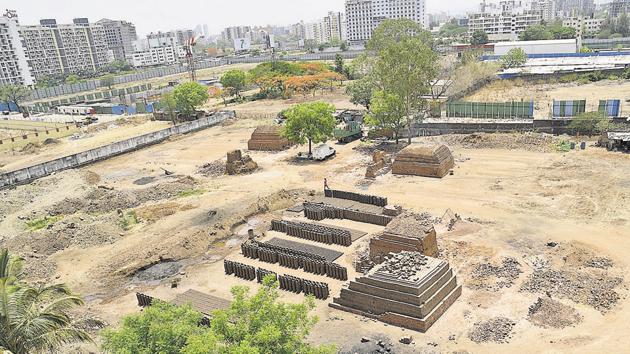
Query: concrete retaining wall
{"points": [[34, 172]]}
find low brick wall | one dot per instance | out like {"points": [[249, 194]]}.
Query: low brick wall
{"points": [[31, 173]]}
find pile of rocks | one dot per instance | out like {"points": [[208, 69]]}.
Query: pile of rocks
{"points": [[380, 165], [238, 164], [213, 169], [508, 272], [407, 232], [496, 330], [405, 265]]}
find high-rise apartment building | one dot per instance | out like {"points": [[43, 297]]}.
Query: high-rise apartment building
{"points": [[119, 36], [329, 29], [618, 7], [575, 8], [14, 69], [506, 19], [56, 49], [159, 48], [363, 16], [584, 25]]}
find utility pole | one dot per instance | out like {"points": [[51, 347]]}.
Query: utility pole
{"points": [[190, 59]]}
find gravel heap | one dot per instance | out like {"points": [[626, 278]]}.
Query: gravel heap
{"points": [[508, 272], [599, 262], [411, 224], [597, 291], [549, 313], [404, 265], [213, 169], [496, 330]]}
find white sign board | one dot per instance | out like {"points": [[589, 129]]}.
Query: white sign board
{"points": [[241, 44], [272, 41]]}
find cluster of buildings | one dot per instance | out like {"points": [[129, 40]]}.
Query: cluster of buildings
{"points": [[506, 19], [51, 49]]}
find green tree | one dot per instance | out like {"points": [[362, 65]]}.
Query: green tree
{"points": [[309, 122], [536, 33], [253, 324], [118, 66], [108, 81], [343, 46], [479, 37], [160, 328], [169, 106], [405, 64], [622, 25], [235, 80], [558, 31], [189, 96], [387, 113], [15, 94], [339, 64], [515, 58], [73, 79], [34, 319], [360, 92], [453, 29], [590, 123]]}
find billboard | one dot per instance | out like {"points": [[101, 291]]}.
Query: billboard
{"points": [[241, 44]]}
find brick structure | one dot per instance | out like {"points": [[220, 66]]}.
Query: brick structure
{"points": [[237, 163], [407, 232], [426, 161], [268, 138], [408, 290]]}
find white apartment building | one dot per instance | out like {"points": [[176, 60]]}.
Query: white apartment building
{"points": [[119, 36], [331, 28], [155, 56], [584, 25], [55, 49], [505, 26], [14, 69], [363, 16]]}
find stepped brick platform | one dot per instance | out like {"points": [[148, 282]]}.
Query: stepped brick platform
{"points": [[268, 138], [407, 232], [427, 161], [408, 290]]}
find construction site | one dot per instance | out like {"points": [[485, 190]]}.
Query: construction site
{"points": [[452, 243]]}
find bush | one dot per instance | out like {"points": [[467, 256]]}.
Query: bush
{"points": [[566, 79]]}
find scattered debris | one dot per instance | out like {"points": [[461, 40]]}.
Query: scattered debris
{"points": [[213, 169], [593, 290], [496, 330], [549, 313], [406, 340], [507, 272]]}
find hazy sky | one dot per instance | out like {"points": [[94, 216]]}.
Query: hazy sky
{"points": [[154, 15]]}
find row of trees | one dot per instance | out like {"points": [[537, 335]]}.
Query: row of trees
{"points": [[185, 99], [14, 94], [116, 67], [615, 27], [547, 31]]}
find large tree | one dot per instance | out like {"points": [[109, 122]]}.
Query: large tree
{"points": [[536, 33], [514, 58], [387, 113], [189, 96], [252, 324], [360, 92], [405, 64], [479, 37], [235, 81], [108, 81], [34, 319], [15, 94], [309, 122], [169, 106]]}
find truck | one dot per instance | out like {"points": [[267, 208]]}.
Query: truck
{"points": [[348, 132], [616, 141]]}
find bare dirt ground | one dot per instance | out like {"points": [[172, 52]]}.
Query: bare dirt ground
{"points": [[543, 94], [534, 224]]}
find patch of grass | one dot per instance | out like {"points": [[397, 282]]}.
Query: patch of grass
{"points": [[128, 219], [191, 192], [41, 223], [563, 146]]}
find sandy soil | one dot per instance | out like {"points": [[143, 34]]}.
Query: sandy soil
{"points": [[543, 94], [512, 202]]}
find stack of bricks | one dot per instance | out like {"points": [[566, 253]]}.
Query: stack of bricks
{"points": [[239, 270], [268, 138], [407, 232], [357, 197], [317, 233], [319, 212], [427, 161], [408, 290]]}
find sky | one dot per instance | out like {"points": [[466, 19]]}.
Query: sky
{"points": [[154, 15]]}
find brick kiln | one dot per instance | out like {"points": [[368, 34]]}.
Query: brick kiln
{"points": [[427, 161], [268, 138], [408, 290], [407, 232]]}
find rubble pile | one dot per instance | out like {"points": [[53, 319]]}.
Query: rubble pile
{"points": [[529, 141], [238, 164], [549, 313], [381, 164], [213, 169], [508, 272], [597, 291], [426, 161], [496, 330], [405, 265]]}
